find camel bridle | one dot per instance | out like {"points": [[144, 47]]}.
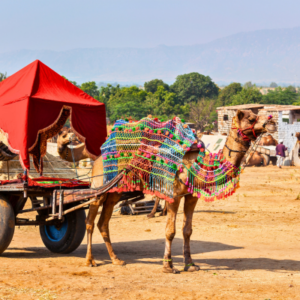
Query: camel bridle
{"points": [[245, 138], [241, 131]]}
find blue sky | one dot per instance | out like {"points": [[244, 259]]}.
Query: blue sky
{"points": [[64, 24]]}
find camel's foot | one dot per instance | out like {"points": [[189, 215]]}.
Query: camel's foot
{"points": [[170, 270], [118, 262], [91, 263], [151, 215], [191, 268]]}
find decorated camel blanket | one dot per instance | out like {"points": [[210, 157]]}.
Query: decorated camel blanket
{"points": [[152, 152]]}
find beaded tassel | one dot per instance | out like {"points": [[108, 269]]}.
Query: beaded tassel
{"points": [[151, 148]]}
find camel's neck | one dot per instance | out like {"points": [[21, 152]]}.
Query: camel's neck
{"points": [[235, 143], [63, 152]]}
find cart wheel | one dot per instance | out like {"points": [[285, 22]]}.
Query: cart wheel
{"points": [[7, 223], [66, 237]]}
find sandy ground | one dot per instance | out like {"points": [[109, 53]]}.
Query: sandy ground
{"points": [[247, 247]]}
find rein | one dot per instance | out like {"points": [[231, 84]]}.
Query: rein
{"points": [[237, 151], [251, 150]]}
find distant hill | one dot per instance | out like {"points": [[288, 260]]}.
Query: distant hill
{"points": [[259, 56]]}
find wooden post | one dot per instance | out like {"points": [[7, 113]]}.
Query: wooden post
{"points": [[54, 203], [61, 200], [7, 163], [25, 183]]}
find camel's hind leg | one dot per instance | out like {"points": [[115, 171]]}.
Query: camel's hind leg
{"points": [[93, 210], [106, 214], [170, 234], [189, 207], [152, 214], [164, 212]]}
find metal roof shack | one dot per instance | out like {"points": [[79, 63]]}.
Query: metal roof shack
{"points": [[241, 107]]}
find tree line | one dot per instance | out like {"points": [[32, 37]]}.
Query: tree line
{"points": [[193, 97]]}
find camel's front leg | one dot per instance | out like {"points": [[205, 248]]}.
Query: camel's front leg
{"points": [[93, 210], [170, 234], [103, 223], [189, 207]]}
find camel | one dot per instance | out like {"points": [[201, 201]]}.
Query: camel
{"points": [[66, 138], [268, 140], [234, 151], [260, 159]]}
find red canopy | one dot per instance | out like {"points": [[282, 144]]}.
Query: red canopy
{"points": [[35, 102]]}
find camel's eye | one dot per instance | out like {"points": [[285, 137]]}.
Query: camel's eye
{"points": [[251, 119], [64, 136]]}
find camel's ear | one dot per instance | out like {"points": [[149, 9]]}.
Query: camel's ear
{"points": [[240, 115]]}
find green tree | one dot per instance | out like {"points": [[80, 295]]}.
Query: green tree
{"points": [[203, 114], [194, 86], [164, 104], [152, 85], [126, 102], [281, 96], [292, 89], [248, 85], [247, 95], [90, 88], [3, 76], [128, 107], [273, 85], [225, 95], [106, 92], [73, 82]]}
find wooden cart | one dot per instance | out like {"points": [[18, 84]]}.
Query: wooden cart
{"points": [[35, 104], [60, 212]]}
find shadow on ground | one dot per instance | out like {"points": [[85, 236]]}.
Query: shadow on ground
{"points": [[139, 251], [152, 249]]}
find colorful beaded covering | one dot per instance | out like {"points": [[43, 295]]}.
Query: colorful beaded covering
{"points": [[211, 177], [152, 152]]}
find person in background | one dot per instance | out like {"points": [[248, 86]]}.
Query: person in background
{"points": [[280, 153]]}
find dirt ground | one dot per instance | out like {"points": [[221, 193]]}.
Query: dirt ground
{"points": [[247, 247]]}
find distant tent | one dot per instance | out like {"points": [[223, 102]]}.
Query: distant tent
{"points": [[35, 102]]}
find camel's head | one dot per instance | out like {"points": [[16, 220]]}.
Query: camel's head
{"points": [[250, 125], [65, 138]]}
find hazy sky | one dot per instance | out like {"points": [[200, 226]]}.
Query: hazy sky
{"points": [[67, 24]]}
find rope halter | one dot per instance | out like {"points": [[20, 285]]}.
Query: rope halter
{"points": [[241, 131]]}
